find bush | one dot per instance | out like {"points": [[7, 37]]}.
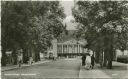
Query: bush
{"points": [[122, 58]]}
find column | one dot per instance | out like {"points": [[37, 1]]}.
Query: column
{"points": [[82, 50], [79, 48], [62, 48], [74, 49], [57, 49], [67, 49]]}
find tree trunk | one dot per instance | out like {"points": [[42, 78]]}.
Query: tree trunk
{"points": [[109, 64], [105, 58], [110, 58], [37, 55], [97, 56], [25, 56], [101, 59], [4, 57], [14, 55], [105, 62]]}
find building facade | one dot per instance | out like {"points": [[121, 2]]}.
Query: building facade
{"points": [[71, 46], [67, 45], [67, 48]]}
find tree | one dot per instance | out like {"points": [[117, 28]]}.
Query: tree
{"points": [[30, 25], [105, 25]]}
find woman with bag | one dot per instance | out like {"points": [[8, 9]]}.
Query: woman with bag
{"points": [[88, 62]]}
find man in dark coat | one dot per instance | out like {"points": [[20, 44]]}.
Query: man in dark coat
{"points": [[92, 61], [83, 60]]}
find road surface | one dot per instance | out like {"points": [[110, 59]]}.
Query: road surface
{"points": [[64, 68]]}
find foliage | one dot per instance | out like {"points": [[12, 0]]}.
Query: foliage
{"points": [[104, 24], [30, 23], [101, 20]]}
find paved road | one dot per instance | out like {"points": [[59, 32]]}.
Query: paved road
{"points": [[66, 68]]}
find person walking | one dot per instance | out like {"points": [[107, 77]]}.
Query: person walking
{"points": [[88, 62], [92, 61], [30, 60], [19, 59], [83, 59]]}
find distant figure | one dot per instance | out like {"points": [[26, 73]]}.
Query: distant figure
{"points": [[30, 60], [83, 60], [88, 61], [19, 59], [92, 61], [101, 60]]}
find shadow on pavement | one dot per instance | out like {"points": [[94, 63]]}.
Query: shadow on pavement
{"points": [[119, 70]]}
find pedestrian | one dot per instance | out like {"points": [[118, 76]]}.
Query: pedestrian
{"points": [[88, 61], [83, 59], [19, 59], [30, 60], [92, 61]]}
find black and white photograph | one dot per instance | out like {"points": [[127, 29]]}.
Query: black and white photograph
{"points": [[64, 39]]}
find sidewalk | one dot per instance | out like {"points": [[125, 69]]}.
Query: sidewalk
{"points": [[119, 70], [23, 65], [94, 73]]}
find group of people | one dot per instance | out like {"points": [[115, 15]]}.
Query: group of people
{"points": [[88, 60], [20, 59]]}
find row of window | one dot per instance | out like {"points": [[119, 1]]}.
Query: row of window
{"points": [[69, 48]]}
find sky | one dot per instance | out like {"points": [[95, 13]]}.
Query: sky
{"points": [[67, 10], [67, 7]]}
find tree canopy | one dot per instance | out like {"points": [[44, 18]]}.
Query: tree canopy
{"points": [[104, 24], [28, 23]]}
